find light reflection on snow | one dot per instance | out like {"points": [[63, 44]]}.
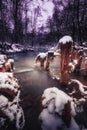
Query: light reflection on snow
{"points": [[54, 103]]}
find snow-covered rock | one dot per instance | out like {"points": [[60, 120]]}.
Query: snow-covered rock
{"points": [[55, 102], [60, 97]]}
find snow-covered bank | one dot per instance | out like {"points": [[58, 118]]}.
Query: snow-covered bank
{"points": [[10, 48], [7, 48]]}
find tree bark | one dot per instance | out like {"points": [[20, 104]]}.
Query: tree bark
{"points": [[15, 14]]}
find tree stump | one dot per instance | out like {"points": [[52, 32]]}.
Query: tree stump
{"points": [[48, 60], [66, 48]]}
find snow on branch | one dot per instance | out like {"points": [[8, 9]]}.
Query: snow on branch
{"points": [[8, 83], [78, 88]]}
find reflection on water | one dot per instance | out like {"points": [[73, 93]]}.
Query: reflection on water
{"points": [[26, 61], [33, 82], [22, 55]]}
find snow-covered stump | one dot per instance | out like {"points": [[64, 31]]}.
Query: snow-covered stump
{"points": [[10, 110], [41, 58], [50, 56], [9, 65], [65, 44]]}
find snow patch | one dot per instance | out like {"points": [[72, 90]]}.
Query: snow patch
{"points": [[66, 39], [60, 98], [54, 101], [42, 55]]}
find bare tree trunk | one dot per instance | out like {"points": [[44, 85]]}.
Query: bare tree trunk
{"points": [[66, 50], [73, 20], [2, 22], [15, 14], [78, 23], [65, 76]]}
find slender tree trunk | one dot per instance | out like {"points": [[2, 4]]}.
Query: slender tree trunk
{"points": [[73, 20], [15, 14], [2, 22], [78, 23], [83, 21]]}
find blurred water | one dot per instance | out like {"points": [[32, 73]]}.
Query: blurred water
{"points": [[26, 60], [22, 55], [33, 82]]}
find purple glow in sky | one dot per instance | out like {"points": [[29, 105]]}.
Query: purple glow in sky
{"points": [[39, 12], [47, 10]]}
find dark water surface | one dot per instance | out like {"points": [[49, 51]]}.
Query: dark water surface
{"points": [[33, 82]]}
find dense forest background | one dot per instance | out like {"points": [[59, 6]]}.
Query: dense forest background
{"points": [[38, 22]]}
